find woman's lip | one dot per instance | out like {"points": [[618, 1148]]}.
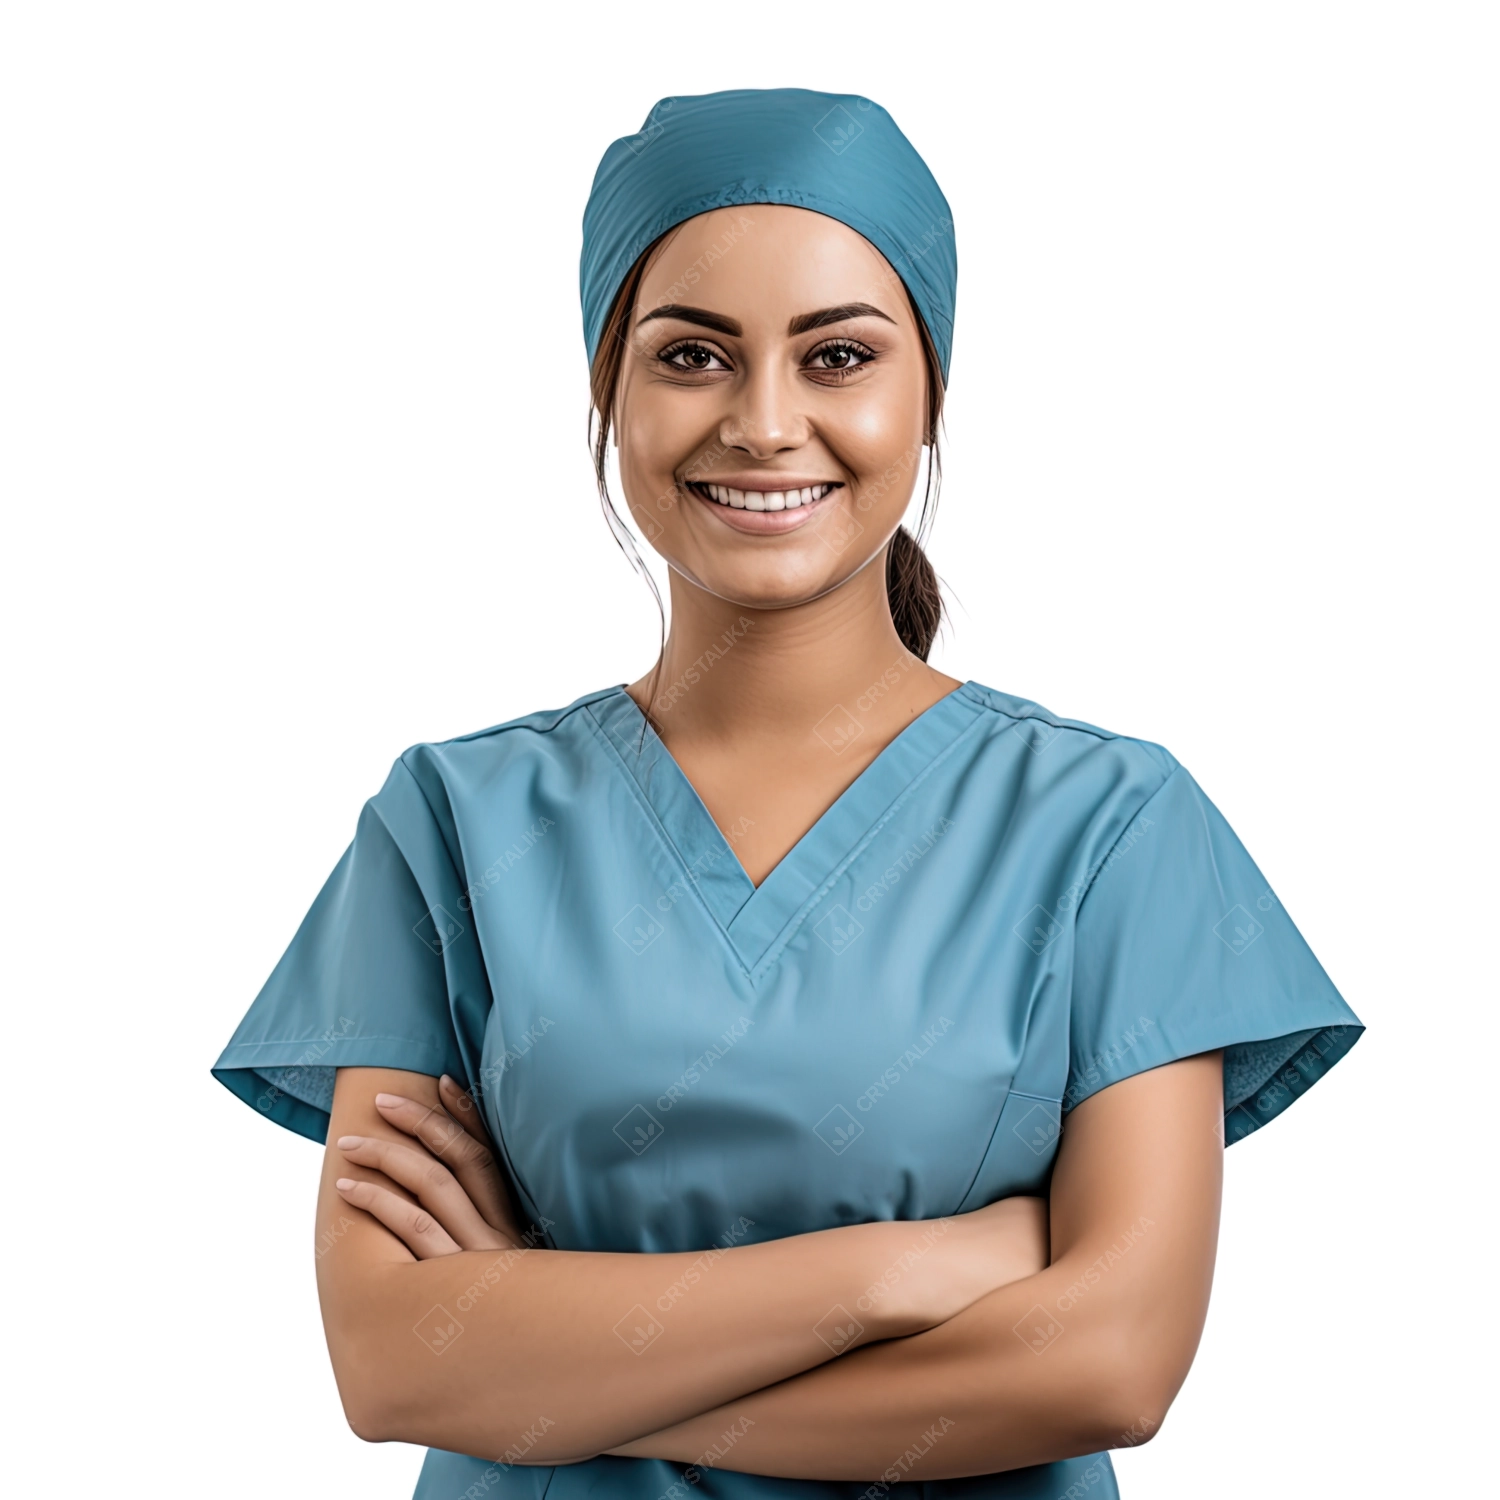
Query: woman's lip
{"points": [[762, 522], [762, 483]]}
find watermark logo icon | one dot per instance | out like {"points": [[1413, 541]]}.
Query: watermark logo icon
{"points": [[1037, 734], [438, 1329], [838, 1130], [651, 129], [838, 1328], [1038, 1329], [439, 929], [1237, 929], [839, 928], [838, 729], [639, 1329], [639, 1129], [638, 929], [1039, 1128], [838, 531], [838, 130], [1038, 929]]}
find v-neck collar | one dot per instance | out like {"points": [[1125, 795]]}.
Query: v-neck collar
{"points": [[759, 920]]}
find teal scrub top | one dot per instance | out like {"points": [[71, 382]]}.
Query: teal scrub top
{"points": [[1004, 913]]}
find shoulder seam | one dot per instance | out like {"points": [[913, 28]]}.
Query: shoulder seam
{"points": [[522, 722], [1104, 860], [1092, 730], [454, 859]]}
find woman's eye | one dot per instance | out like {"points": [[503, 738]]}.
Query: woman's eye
{"points": [[695, 357], [840, 357]]}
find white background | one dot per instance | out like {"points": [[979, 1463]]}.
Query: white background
{"points": [[292, 406]]}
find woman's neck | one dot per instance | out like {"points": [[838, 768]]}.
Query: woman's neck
{"points": [[732, 673]]}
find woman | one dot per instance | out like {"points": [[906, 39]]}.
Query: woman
{"points": [[774, 974]]}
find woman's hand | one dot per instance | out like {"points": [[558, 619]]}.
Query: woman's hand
{"points": [[937, 1268], [461, 1199]]}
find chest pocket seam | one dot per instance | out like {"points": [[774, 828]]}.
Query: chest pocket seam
{"points": [[984, 1156], [1019, 1180]]}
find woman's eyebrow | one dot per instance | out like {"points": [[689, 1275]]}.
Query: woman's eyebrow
{"points": [[701, 316], [806, 322]]}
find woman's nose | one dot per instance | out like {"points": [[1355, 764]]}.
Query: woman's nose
{"points": [[767, 418]]}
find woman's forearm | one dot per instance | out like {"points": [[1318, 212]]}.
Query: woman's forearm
{"points": [[969, 1397], [470, 1352], [1084, 1355]]}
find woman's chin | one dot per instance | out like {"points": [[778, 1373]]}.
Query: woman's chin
{"points": [[761, 588]]}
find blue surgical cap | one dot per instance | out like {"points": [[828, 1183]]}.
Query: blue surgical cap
{"points": [[836, 154]]}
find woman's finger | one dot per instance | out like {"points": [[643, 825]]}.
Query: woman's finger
{"points": [[431, 1183], [463, 1109], [471, 1161], [413, 1226]]}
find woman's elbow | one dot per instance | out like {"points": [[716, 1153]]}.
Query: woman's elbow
{"points": [[367, 1421], [1138, 1380], [1132, 1413], [368, 1380], [371, 1407], [356, 1307]]}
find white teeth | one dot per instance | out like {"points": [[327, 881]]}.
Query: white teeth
{"points": [[766, 499]]}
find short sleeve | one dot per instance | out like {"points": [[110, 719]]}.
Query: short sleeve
{"points": [[1181, 947], [383, 971]]}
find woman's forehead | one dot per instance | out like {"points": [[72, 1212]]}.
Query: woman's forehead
{"points": [[771, 259]]}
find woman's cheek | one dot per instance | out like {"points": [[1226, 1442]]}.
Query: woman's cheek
{"points": [[874, 435], [646, 466], [659, 437]]}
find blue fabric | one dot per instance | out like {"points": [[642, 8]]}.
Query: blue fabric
{"points": [[1004, 913], [837, 154]]}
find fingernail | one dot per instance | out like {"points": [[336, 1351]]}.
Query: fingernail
{"points": [[349, 1142], [389, 1101], [344, 1184], [446, 1079]]}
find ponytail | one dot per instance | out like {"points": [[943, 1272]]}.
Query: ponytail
{"points": [[911, 583], [911, 586]]}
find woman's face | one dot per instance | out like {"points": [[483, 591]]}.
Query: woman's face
{"points": [[771, 406]]}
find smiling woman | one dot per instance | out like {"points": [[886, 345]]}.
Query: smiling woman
{"points": [[755, 417], [724, 1129]]}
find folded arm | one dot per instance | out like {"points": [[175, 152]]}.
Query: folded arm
{"points": [[1087, 1354], [478, 1344]]}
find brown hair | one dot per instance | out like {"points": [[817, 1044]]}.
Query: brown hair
{"points": [[911, 584]]}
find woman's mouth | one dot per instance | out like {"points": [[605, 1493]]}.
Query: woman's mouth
{"points": [[736, 499]]}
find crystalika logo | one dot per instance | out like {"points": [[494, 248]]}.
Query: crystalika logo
{"points": [[839, 928], [638, 929], [639, 1129], [838, 130], [1039, 1128], [1038, 929], [838, 1130], [439, 929], [1237, 929]]}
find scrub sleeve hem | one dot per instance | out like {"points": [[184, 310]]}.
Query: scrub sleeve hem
{"points": [[1307, 1055], [281, 1081]]}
